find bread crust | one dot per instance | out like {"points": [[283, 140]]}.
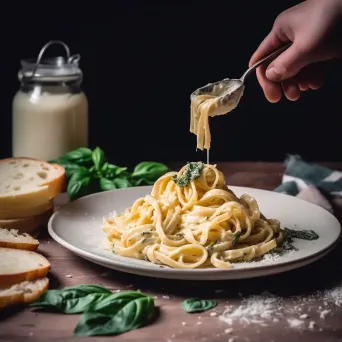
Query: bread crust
{"points": [[8, 279], [30, 245], [17, 213], [47, 190], [20, 297], [30, 225]]}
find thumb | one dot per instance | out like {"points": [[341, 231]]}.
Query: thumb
{"points": [[288, 64]]}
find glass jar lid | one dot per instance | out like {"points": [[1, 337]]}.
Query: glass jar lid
{"points": [[52, 68]]}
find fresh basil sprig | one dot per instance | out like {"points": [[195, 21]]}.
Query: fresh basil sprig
{"points": [[88, 171], [103, 312], [198, 305]]}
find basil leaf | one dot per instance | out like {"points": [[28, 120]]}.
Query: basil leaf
{"points": [[92, 171], [191, 172], [72, 300], [78, 189], [79, 184], [70, 169], [150, 171], [89, 288], [116, 183], [81, 173], [106, 184], [121, 182], [142, 181], [113, 171], [301, 234], [104, 167], [198, 305], [98, 158], [80, 156], [114, 302], [133, 315]]}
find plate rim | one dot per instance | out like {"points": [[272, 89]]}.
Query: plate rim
{"points": [[189, 272]]}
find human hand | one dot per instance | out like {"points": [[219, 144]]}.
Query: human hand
{"points": [[315, 29]]}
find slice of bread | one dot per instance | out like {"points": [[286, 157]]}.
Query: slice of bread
{"points": [[27, 182], [18, 265], [32, 225], [12, 239], [17, 212], [23, 293]]}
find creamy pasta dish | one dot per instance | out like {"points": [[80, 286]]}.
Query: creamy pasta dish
{"points": [[190, 220]]}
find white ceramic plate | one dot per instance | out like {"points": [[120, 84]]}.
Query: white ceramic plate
{"points": [[77, 226]]}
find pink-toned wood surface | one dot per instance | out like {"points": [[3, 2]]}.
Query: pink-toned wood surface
{"points": [[296, 288]]}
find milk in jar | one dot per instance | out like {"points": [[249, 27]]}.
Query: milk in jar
{"points": [[50, 111]]}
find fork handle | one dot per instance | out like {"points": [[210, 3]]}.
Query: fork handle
{"points": [[270, 57]]}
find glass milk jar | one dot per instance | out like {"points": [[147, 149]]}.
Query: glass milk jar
{"points": [[50, 111]]}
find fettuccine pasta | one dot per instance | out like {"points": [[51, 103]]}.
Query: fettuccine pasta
{"points": [[204, 106], [194, 225]]}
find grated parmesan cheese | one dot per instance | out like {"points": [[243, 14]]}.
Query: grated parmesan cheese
{"points": [[312, 324], [251, 309], [334, 295], [267, 259], [295, 323], [324, 313], [267, 307], [304, 316]]}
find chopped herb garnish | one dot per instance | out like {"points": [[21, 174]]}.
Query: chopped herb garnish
{"points": [[236, 238], [289, 234], [211, 246], [146, 233], [302, 234], [287, 244], [192, 171]]}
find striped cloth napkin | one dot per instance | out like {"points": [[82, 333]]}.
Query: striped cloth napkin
{"points": [[314, 183]]}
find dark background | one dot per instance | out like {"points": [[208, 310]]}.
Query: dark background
{"points": [[142, 59]]}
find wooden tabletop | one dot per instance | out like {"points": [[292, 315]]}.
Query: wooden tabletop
{"points": [[300, 305]]}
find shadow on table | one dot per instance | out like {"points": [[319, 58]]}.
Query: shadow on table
{"points": [[15, 310], [323, 274]]}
